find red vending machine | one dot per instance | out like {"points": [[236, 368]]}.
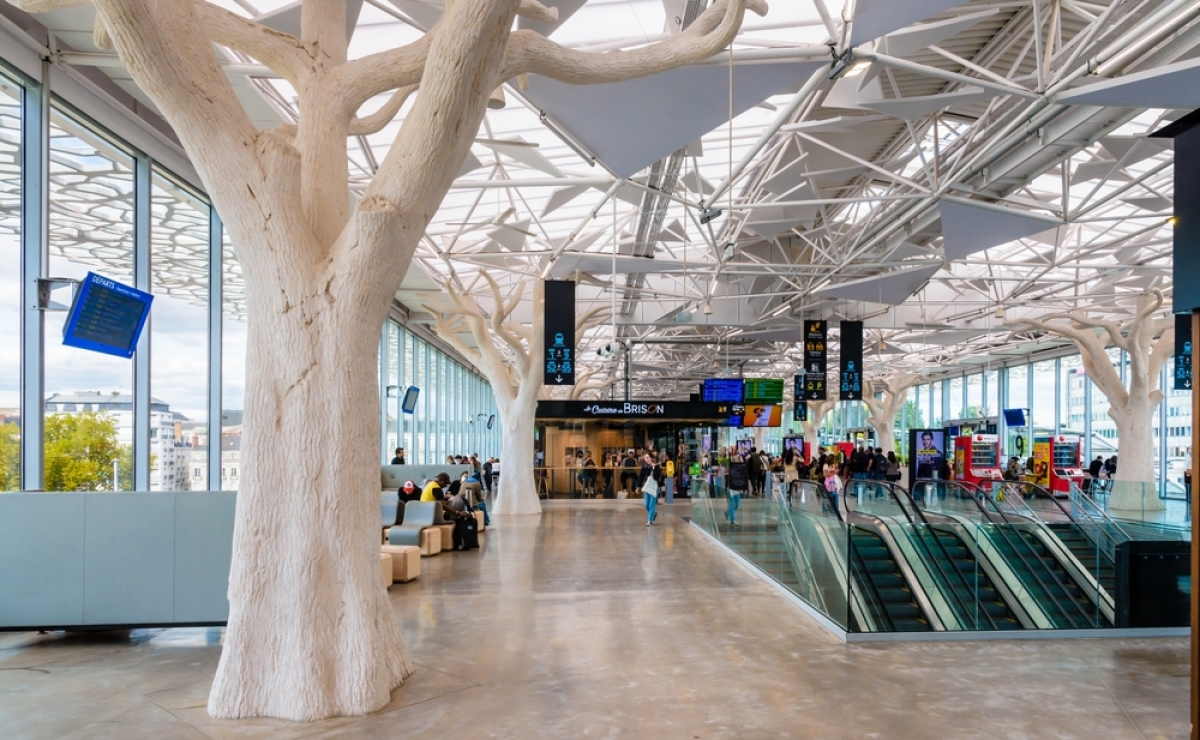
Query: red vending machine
{"points": [[1057, 463], [977, 458]]}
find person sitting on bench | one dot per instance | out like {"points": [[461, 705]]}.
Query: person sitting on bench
{"points": [[474, 490], [434, 489]]}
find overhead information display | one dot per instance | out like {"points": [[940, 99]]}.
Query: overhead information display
{"points": [[815, 333], [106, 317], [764, 390], [559, 326], [722, 390], [851, 361]]}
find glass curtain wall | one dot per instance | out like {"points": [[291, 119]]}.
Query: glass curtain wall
{"points": [[179, 266], [10, 285], [88, 441], [455, 414]]}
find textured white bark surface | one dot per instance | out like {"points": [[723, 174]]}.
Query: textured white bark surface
{"points": [[817, 411], [311, 632], [893, 392], [517, 495], [1148, 341]]}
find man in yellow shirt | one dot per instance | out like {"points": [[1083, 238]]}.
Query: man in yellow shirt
{"points": [[434, 488]]}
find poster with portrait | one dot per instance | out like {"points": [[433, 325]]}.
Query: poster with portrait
{"points": [[927, 453]]}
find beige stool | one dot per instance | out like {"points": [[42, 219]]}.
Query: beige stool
{"points": [[479, 519], [431, 542], [406, 562], [385, 568], [447, 536]]}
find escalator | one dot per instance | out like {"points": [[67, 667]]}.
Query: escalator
{"points": [[1062, 600], [1037, 559], [1093, 559], [888, 597], [944, 562], [980, 602], [763, 546]]}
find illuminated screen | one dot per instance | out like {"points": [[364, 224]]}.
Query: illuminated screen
{"points": [[106, 316], [763, 415], [764, 390], [722, 390]]}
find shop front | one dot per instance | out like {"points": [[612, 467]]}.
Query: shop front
{"points": [[594, 449]]}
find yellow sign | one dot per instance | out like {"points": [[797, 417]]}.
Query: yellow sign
{"points": [[1041, 463]]}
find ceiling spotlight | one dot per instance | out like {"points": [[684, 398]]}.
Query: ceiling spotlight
{"points": [[708, 214], [1000, 312], [728, 254], [708, 310]]}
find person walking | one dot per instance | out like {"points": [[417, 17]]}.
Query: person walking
{"points": [[650, 496], [756, 470], [892, 474]]}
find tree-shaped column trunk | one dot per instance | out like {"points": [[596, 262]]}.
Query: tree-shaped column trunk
{"points": [[1148, 341]]}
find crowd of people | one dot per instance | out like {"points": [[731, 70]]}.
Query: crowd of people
{"points": [[458, 497]]}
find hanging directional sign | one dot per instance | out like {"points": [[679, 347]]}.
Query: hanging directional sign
{"points": [[815, 333], [1183, 351], [800, 410], [559, 326], [851, 361]]}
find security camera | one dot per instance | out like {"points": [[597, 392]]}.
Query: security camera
{"points": [[708, 214]]}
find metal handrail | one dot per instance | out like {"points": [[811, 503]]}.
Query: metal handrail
{"points": [[986, 496], [895, 490]]}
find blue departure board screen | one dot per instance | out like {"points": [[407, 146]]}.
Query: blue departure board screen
{"points": [[722, 390], [106, 316]]}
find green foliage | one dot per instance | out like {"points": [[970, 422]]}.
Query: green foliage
{"points": [[10, 456], [79, 453], [911, 417]]}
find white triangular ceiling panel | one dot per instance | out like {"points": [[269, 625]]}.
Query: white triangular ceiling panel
{"points": [[631, 125], [889, 289], [914, 38], [1169, 86], [875, 18], [923, 105], [967, 229], [566, 9]]}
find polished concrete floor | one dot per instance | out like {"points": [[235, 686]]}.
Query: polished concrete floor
{"points": [[587, 624]]}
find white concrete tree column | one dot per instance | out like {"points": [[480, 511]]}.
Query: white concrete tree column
{"points": [[509, 355], [817, 411], [1149, 341], [893, 391], [311, 632]]}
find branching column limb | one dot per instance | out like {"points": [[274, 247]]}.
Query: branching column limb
{"points": [[894, 392], [1148, 342]]}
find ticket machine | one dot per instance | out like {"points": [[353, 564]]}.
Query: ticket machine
{"points": [[1057, 463], [977, 458]]}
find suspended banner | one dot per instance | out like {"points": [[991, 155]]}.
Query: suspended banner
{"points": [[851, 361], [815, 333], [1183, 351], [559, 326]]}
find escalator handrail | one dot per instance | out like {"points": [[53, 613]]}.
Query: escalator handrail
{"points": [[895, 490], [856, 558], [1028, 546], [1094, 515]]}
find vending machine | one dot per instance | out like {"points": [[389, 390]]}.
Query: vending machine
{"points": [[977, 458], [1057, 463]]}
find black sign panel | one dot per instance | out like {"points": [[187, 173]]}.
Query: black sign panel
{"points": [[714, 413], [815, 335], [559, 324], [800, 410], [1186, 258], [1183, 351], [851, 382]]}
